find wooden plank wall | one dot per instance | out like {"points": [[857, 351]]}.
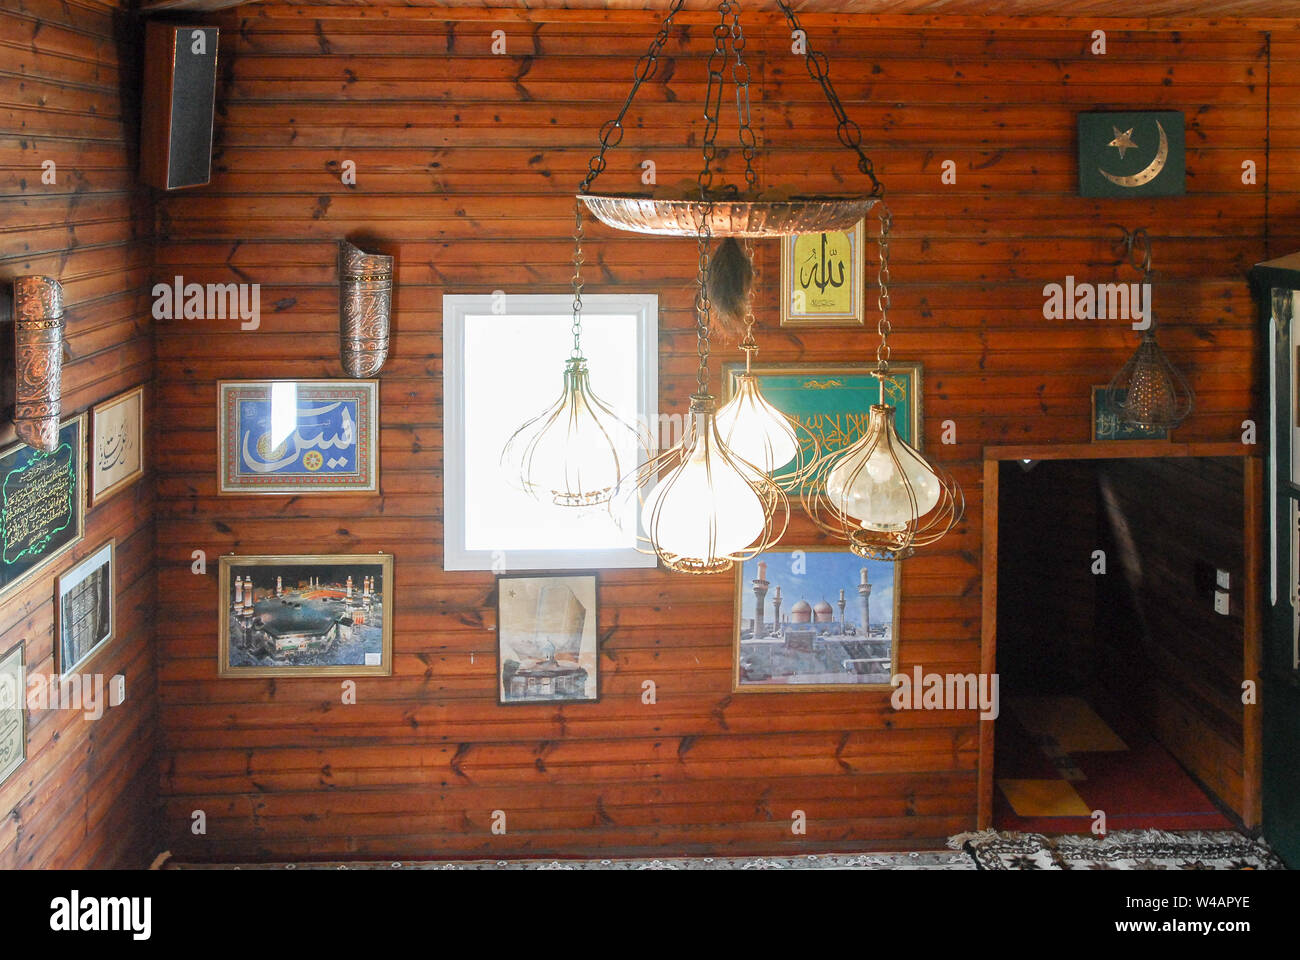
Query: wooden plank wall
{"points": [[465, 167], [85, 796]]}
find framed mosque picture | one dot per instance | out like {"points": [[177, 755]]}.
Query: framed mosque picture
{"points": [[546, 639], [815, 618], [306, 616], [821, 278], [298, 436], [834, 400]]}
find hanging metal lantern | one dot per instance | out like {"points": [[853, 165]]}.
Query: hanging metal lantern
{"points": [[574, 452], [706, 507], [365, 308], [1148, 392], [879, 494], [38, 361], [751, 427]]}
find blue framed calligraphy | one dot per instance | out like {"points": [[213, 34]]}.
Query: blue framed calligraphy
{"points": [[298, 436], [42, 504]]}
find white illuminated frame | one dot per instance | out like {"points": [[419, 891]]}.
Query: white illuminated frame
{"points": [[522, 375]]}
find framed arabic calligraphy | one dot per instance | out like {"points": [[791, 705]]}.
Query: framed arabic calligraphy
{"points": [[821, 278], [298, 436], [834, 400], [83, 609], [13, 712], [1106, 424], [43, 512], [116, 444]]}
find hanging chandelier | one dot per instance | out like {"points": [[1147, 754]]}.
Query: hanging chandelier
{"points": [[755, 430], [879, 494], [1148, 392], [573, 453], [707, 507]]}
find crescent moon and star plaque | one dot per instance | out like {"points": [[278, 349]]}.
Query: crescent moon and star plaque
{"points": [[1135, 154]]}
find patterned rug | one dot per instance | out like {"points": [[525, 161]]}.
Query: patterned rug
{"points": [[1121, 850], [865, 861]]}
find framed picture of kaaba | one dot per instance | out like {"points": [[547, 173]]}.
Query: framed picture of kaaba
{"points": [[298, 436], [834, 400], [821, 278], [13, 712], [116, 444], [315, 615], [1106, 423], [42, 504], [815, 618], [83, 609], [546, 639]]}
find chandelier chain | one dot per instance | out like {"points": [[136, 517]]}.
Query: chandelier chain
{"points": [[578, 259], [748, 343], [740, 76], [882, 295], [848, 132], [702, 305], [713, 98], [611, 131]]}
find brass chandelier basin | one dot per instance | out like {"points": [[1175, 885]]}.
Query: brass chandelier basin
{"points": [[727, 217]]}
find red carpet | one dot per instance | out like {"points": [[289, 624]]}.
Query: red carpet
{"points": [[1142, 787]]}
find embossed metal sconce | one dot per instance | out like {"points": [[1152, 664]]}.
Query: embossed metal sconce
{"points": [[38, 360], [365, 307]]}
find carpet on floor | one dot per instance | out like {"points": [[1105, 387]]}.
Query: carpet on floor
{"points": [[1121, 850], [931, 860]]}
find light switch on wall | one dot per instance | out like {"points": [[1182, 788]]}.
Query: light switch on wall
{"points": [[1221, 579], [1221, 602]]}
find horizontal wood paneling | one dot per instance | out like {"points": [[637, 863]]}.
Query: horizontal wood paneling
{"points": [[85, 797], [466, 164]]}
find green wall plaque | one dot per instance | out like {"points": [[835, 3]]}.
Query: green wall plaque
{"points": [[1136, 154], [42, 504]]}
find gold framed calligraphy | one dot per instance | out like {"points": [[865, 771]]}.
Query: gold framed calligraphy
{"points": [[821, 278], [116, 444], [298, 436]]}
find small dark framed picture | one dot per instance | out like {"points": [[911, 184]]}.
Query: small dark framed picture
{"points": [[1107, 425], [83, 612], [546, 639]]}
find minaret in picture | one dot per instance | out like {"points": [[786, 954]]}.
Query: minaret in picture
{"points": [[239, 594], [864, 593], [841, 606], [248, 596], [776, 610], [760, 594], [279, 586], [365, 590], [349, 586]]}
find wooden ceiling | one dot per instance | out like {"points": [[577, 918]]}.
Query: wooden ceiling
{"points": [[1198, 9]]}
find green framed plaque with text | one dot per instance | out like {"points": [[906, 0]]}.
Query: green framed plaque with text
{"points": [[42, 504]]}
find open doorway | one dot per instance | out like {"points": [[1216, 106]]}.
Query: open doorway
{"points": [[1120, 682]]}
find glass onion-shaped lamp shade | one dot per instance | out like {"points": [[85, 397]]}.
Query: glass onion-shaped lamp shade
{"points": [[762, 435], [574, 452], [709, 507], [882, 496], [1149, 392]]}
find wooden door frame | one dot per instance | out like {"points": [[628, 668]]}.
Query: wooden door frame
{"points": [[1251, 593]]}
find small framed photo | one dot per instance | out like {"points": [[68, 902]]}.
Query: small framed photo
{"points": [[815, 618], [298, 436], [546, 639], [317, 615], [83, 613], [821, 278], [116, 444], [1106, 424], [13, 712]]}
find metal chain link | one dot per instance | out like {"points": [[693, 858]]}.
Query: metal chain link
{"points": [[646, 68], [882, 296], [713, 98], [578, 260], [748, 343], [702, 305], [848, 132], [740, 76]]}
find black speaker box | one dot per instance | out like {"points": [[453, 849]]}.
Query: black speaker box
{"points": [[180, 87]]}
